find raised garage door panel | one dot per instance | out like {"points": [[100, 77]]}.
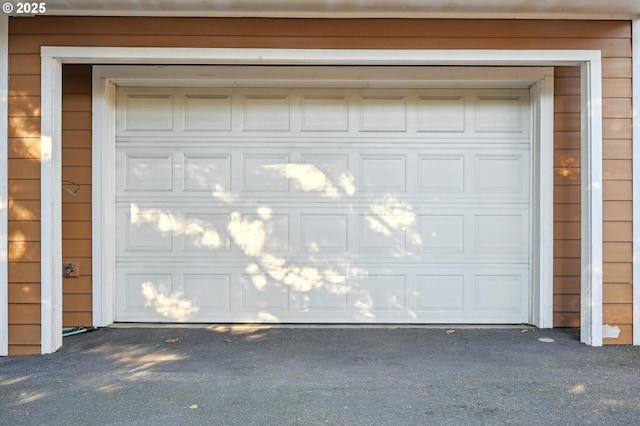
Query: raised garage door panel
{"points": [[323, 205]]}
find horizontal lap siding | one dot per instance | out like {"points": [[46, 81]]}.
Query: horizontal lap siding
{"points": [[567, 197], [28, 35], [76, 211]]}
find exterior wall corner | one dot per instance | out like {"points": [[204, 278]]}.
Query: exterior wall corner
{"points": [[4, 196]]}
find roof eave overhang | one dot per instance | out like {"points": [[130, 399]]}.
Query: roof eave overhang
{"points": [[441, 9], [346, 15]]}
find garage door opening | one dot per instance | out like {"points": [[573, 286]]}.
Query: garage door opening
{"points": [[326, 200]]}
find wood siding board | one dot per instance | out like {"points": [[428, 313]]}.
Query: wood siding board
{"points": [[78, 285], [566, 285], [567, 140], [617, 293], [76, 102], [24, 292], [25, 334], [617, 231], [616, 88], [567, 103], [76, 84], [76, 121], [617, 149], [617, 211], [566, 71], [76, 138], [22, 84], [566, 231], [617, 190], [617, 68], [16, 349], [24, 127], [566, 158], [76, 157], [566, 248], [24, 64], [76, 302], [617, 313], [617, 169], [82, 196], [76, 319], [22, 148], [566, 267], [625, 338], [23, 251], [23, 272], [76, 229], [76, 211], [80, 175], [567, 122], [24, 106], [137, 26], [24, 189], [27, 169], [24, 210], [617, 128], [566, 86], [566, 303], [71, 70], [567, 194], [616, 273], [24, 313], [617, 252], [76, 248], [566, 213], [617, 108], [567, 176], [566, 319], [23, 231]]}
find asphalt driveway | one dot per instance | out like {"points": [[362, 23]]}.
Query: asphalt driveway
{"points": [[308, 376]]}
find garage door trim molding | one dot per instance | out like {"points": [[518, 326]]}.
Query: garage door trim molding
{"points": [[54, 57]]}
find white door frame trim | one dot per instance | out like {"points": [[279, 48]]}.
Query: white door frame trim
{"points": [[54, 57]]}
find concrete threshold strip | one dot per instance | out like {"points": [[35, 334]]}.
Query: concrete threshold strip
{"points": [[124, 325]]}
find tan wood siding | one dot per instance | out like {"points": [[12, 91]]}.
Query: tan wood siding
{"points": [[613, 38], [76, 210], [24, 212], [567, 197]]}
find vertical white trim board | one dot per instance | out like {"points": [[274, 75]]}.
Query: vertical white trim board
{"points": [[636, 179], [591, 327], [4, 190], [103, 195], [51, 207], [542, 225], [591, 137]]}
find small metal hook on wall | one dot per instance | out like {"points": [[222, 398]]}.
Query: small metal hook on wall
{"points": [[73, 192]]}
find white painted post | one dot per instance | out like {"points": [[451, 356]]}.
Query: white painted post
{"points": [[51, 205], [591, 234]]}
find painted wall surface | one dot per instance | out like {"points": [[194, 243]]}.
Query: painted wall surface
{"points": [[27, 35]]}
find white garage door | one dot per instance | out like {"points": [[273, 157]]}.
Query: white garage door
{"points": [[323, 205]]}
